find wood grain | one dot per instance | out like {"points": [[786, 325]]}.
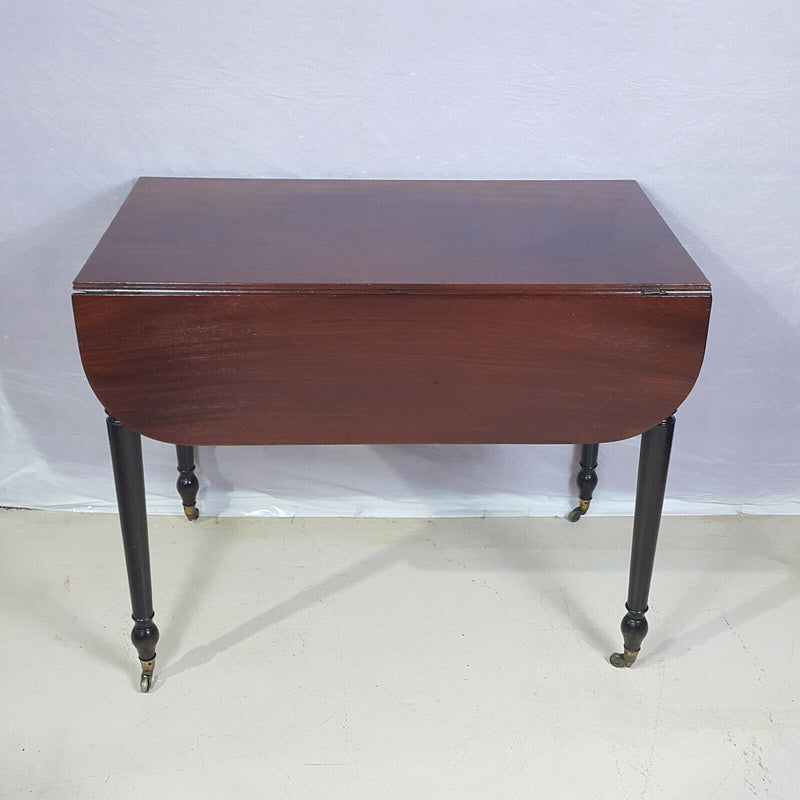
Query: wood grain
{"points": [[303, 312], [378, 236], [312, 369]]}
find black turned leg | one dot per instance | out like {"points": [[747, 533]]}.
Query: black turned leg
{"points": [[126, 458], [653, 465], [586, 480], [187, 481]]}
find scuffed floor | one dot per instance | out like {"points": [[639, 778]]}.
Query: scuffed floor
{"points": [[364, 658]]}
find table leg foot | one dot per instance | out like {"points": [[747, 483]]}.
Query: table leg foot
{"points": [[579, 510], [624, 659], [188, 484], [634, 629], [586, 480], [146, 680], [145, 637]]}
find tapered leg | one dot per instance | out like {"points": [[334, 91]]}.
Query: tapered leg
{"points": [[654, 454], [187, 481], [586, 480], [126, 458]]}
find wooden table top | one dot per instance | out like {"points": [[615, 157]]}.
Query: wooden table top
{"points": [[310, 312], [197, 234]]}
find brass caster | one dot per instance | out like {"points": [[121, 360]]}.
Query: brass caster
{"points": [[579, 510], [624, 659], [146, 681], [191, 513]]}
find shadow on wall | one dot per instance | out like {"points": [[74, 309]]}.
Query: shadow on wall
{"points": [[731, 443], [384, 480]]}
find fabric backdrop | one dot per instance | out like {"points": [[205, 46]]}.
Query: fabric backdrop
{"points": [[696, 101]]}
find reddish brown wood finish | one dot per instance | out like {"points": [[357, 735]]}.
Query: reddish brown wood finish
{"points": [[304, 369], [448, 312], [373, 236]]}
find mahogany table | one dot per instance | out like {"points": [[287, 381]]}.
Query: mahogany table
{"points": [[233, 312]]}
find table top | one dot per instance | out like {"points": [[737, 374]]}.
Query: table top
{"points": [[309, 312], [287, 236]]}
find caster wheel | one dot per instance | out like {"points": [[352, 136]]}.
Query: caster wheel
{"points": [[145, 682], [624, 659], [575, 514]]}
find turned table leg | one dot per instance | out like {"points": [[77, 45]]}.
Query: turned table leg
{"points": [[654, 455], [187, 481], [586, 480], [126, 459]]}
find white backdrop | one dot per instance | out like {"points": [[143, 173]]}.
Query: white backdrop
{"points": [[697, 101]]}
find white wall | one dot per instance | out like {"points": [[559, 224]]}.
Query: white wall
{"points": [[697, 101]]}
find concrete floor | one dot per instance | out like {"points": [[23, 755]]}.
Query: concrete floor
{"points": [[365, 658]]}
